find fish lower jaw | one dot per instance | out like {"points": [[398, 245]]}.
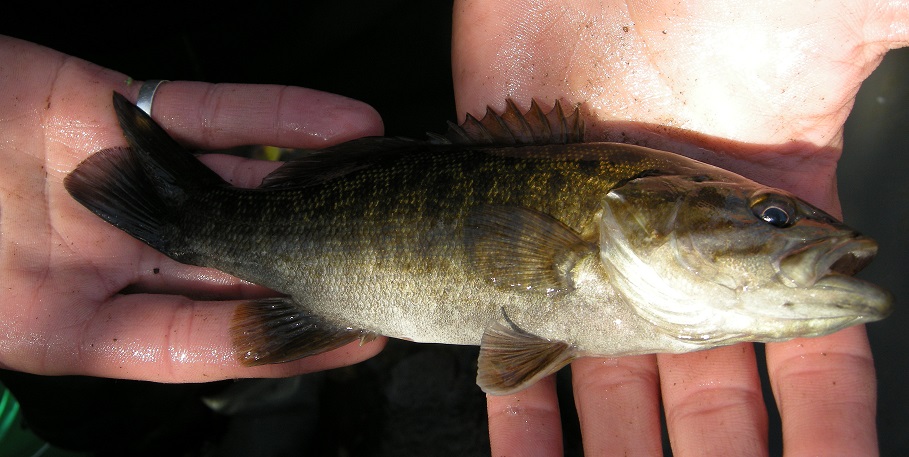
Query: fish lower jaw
{"points": [[712, 341], [819, 327], [768, 329], [859, 299], [808, 328]]}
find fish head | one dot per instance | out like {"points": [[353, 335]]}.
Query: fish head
{"points": [[718, 260]]}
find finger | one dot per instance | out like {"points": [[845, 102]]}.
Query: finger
{"points": [[151, 337], [713, 402], [826, 393], [77, 122], [212, 116], [156, 273], [618, 404], [887, 27], [526, 423]]}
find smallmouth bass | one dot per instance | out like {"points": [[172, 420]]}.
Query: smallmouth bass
{"points": [[508, 232]]}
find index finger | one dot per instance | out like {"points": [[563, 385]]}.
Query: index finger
{"points": [[213, 116]]}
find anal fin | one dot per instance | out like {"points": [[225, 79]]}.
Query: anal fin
{"points": [[512, 359], [276, 330]]}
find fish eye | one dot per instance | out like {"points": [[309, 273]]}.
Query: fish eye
{"points": [[775, 216], [776, 210]]}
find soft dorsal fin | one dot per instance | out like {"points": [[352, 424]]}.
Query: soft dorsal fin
{"points": [[524, 249], [513, 128], [512, 359], [339, 160]]}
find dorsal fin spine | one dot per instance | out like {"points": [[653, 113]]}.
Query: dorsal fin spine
{"points": [[514, 128]]}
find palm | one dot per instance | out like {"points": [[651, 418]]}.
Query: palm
{"points": [[63, 269], [767, 74], [765, 87]]}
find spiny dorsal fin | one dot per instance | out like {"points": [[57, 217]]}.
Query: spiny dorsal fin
{"points": [[513, 128], [512, 359], [524, 249]]}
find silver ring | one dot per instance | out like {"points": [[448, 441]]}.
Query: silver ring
{"points": [[147, 94]]}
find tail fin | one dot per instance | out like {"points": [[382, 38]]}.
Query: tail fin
{"points": [[142, 188]]}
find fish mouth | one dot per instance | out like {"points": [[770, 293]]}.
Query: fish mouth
{"points": [[805, 266], [828, 265]]}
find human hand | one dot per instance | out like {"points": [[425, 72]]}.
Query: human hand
{"points": [[761, 89], [63, 270]]}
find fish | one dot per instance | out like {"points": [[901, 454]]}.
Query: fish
{"points": [[508, 232]]}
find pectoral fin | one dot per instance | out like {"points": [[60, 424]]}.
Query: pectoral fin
{"points": [[275, 330], [522, 248], [512, 359]]}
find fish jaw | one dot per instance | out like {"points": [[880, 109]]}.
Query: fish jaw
{"points": [[824, 270]]}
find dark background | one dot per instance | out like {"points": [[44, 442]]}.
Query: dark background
{"points": [[411, 399]]}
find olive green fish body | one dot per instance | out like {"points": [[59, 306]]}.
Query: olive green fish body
{"points": [[385, 248], [506, 233]]}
